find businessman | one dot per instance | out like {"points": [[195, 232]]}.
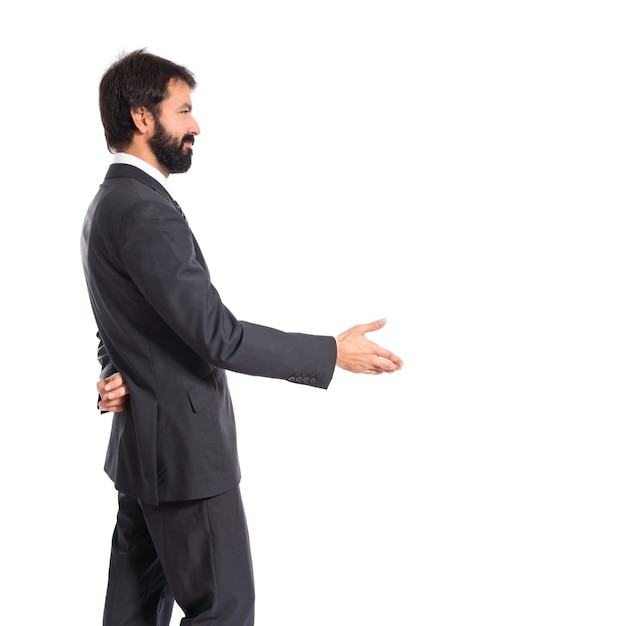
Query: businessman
{"points": [[166, 342]]}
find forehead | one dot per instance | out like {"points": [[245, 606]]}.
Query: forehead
{"points": [[178, 93]]}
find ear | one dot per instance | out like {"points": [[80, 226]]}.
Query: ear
{"points": [[144, 120]]}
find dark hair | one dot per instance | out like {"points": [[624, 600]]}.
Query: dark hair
{"points": [[137, 79]]}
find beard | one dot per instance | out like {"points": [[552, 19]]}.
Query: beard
{"points": [[170, 151]]}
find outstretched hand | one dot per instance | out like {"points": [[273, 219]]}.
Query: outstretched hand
{"points": [[113, 393], [356, 353]]}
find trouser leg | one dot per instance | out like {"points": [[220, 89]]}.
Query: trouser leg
{"points": [[204, 550], [137, 592]]}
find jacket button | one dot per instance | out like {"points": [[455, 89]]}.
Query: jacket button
{"points": [[313, 380], [305, 379], [299, 379], [291, 379]]}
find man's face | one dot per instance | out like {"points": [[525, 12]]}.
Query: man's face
{"points": [[175, 130]]}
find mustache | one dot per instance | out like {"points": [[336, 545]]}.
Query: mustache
{"points": [[188, 139]]}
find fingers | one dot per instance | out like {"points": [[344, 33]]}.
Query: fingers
{"points": [[113, 393], [110, 383], [119, 392], [114, 406], [114, 400], [390, 358], [384, 361], [376, 366], [367, 358], [387, 360], [113, 382]]}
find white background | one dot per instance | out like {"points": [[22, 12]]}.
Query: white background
{"points": [[456, 167]]}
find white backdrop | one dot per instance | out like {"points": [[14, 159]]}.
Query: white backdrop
{"points": [[455, 167]]}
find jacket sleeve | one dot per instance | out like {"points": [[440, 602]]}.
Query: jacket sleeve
{"points": [[105, 360], [159, 253]]}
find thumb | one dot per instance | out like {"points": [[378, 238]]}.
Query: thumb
{"points": [[372, 326]]}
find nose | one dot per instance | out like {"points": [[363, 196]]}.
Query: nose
{"points": [[194, 129]]}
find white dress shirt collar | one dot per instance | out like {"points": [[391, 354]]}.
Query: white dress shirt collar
{"points": [[129, 159]]}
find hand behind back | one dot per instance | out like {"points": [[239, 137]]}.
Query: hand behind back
{"points": [[113, 393]]}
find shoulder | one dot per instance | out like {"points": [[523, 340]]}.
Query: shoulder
{"points": [[130, 180], [133, 194]]}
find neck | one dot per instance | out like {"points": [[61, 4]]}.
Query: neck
{"points": [[144, 152]]}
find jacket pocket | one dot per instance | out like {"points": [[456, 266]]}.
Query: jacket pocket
{"points": [[203, 393]]}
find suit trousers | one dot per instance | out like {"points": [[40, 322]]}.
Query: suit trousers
{"points": [[195, 553]]}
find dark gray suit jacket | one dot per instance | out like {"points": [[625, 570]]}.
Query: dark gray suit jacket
{"points": [[163, 326]]}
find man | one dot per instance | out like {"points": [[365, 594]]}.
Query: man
{"points": [[166, 340]]}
